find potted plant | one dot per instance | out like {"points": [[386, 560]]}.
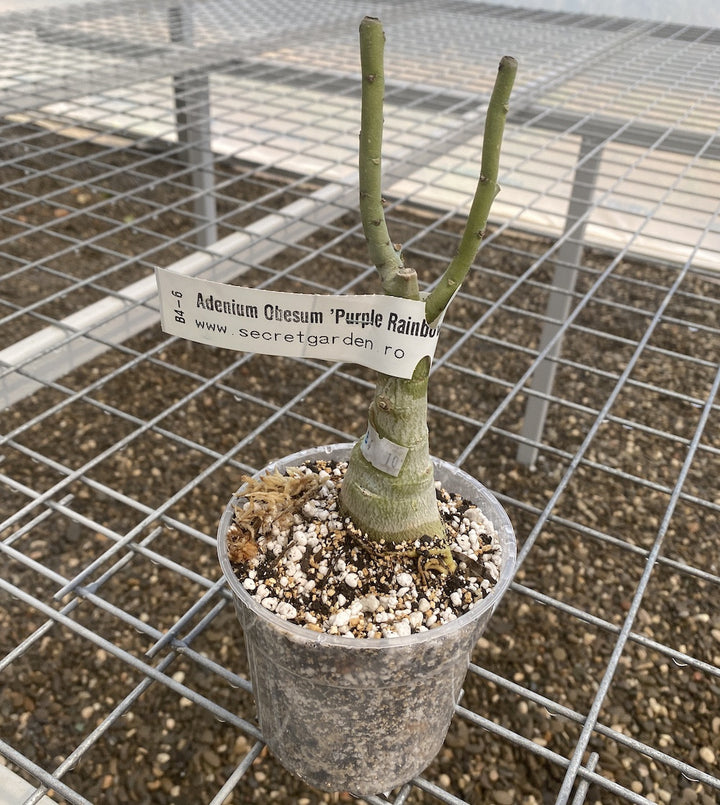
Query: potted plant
{"points": [[364, 574]]}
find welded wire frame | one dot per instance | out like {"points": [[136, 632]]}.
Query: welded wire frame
{"points": [[577, 376]]}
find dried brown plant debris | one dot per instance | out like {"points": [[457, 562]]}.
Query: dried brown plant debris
{"points": [[271, 500]]}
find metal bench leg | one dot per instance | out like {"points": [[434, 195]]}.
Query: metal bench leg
{"points": [[560, 299], [192, 118]]}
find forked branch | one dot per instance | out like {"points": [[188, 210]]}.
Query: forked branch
{"points": [[397, 278]]}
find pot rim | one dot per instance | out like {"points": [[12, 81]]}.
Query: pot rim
{"points": [[500, 521]]}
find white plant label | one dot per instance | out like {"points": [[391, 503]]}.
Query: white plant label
{"points": [[384, 333], [383, 454]]}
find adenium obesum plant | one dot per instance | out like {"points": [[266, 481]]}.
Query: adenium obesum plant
{"points": [[395, 509]]}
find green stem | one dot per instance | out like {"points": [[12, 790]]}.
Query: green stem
{"points": [[397, 279], [485, 192], [389, 508], [398, 506]]}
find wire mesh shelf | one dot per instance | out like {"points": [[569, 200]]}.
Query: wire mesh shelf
{"points": [[577, 376]]}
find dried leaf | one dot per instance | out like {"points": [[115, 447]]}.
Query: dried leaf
{"points": [[272, 500]]}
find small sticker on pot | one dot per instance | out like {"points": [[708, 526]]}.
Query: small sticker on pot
{"points": [[384, 333], [383, 454]]}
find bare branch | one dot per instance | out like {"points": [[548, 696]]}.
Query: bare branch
{"points": [[485, 192]]}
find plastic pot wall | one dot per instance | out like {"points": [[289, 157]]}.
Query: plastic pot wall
{"points": [[361, 715]]}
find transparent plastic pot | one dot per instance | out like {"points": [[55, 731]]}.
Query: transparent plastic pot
{"points": [[361, 715]]}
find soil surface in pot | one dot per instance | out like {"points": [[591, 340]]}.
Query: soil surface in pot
{"points": [[298, 557]]}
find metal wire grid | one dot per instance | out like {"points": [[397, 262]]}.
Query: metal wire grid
{"points": [[115, 115]]}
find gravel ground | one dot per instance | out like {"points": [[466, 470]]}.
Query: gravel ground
{"points": [[165, 749]]}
